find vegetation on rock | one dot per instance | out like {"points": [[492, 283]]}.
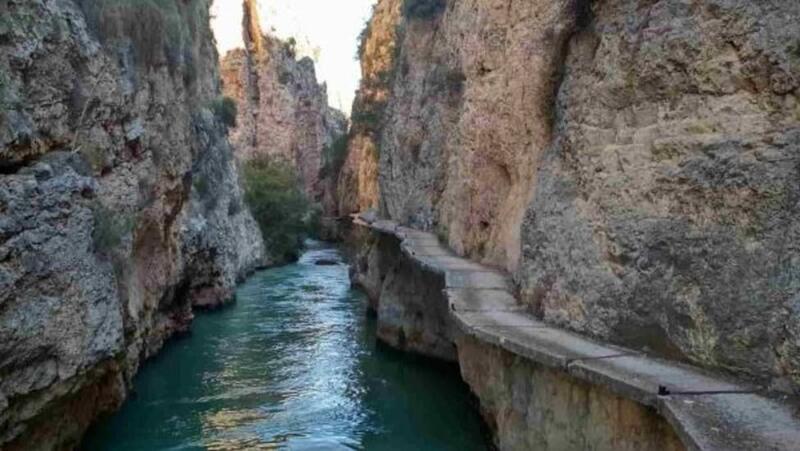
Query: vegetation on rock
{"points": [[364, 35], [423, 9], [334, 155], [160, 31], [283, 212], [225, 110], [110, 228], [368, 116]]}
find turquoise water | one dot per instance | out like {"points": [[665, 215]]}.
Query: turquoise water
{"points": [[292, 365]]}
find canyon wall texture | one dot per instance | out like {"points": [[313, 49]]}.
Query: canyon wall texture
{"points": [[429, 302], [283, 111], [468, 117], [120, 203], [531, 407], [357, 188], [666, 213], [634, 163]]}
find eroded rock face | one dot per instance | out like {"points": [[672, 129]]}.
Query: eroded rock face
{"points": [[528, 406], [666, 213], [120, 204], [408, 300], [468, 117], [283, 111], [633, 163], [357, 189]]}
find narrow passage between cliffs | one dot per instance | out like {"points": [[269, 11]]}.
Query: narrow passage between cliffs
{"points": [[293, 364]]}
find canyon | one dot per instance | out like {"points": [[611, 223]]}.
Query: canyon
{"points": [[590, 207], [633, 164], [283, 112]]}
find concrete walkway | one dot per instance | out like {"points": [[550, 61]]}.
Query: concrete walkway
{"points": [[707, 411]]}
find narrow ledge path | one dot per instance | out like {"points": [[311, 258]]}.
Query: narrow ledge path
{"points": [[706, 411]]}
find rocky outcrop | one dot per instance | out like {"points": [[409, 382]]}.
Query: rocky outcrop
{"points": [[120, 204], [633, 163], [357, 182], [283, 111], [541, 387], [666, 214], [468, 115]]}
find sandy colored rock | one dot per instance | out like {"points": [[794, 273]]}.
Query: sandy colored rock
{"points": [[632, 163], [357, 189], [532, 407], [468, 117], [666, 213], [283, 111]]}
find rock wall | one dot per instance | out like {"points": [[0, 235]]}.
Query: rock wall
{"points": [[420, 292], [666, 214], [283, 111], [468, 116], [408, 300], [531, 407], [634, 163], [120, 204], [357, 189]]}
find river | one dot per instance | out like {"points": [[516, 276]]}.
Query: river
{"points": [[293, 364]]}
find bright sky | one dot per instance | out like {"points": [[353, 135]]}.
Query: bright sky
{"points": [[326, 30]]}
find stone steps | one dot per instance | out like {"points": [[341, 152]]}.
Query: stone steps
{"points": [[707, 411]]}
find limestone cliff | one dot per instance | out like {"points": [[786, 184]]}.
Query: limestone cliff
{"points": [[666, 212], [283, 111], [120, 203], [634, 163], [357, 188]]}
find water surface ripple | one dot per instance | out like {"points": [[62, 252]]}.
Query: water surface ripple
{"points": [[292, 365]]}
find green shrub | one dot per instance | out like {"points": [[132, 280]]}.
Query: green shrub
{"points": [[279, 206], [110, 228], [423, 9], [291, 47], [161, 31], [334, 155], [364, 35], [201, 185], [368, 116], [225, 110]]}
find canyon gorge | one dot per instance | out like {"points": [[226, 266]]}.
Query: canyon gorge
{"points": [[590, 207]]}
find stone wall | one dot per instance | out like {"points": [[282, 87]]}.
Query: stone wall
{"points": [[407, 299], [529, 406], [542, 387]]}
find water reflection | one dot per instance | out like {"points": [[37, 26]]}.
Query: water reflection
{"points": [[293, 365]]}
